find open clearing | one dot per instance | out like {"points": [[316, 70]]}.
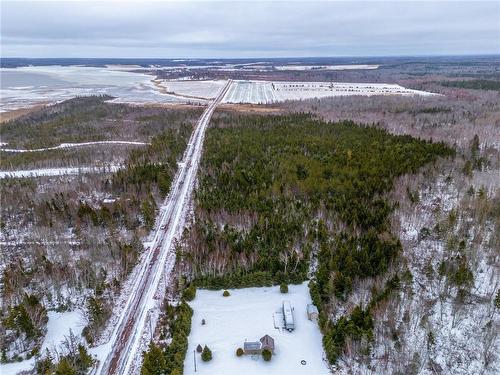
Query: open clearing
{"points": [[248, 314], [196, 89], [264, 92]]}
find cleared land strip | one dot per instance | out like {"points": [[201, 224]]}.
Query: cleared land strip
{"points": [[126, 341], [47, 172], [70, 145]]}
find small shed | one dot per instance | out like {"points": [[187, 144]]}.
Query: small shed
{"points": [[312, 312], [252, 347], [267, 343]]}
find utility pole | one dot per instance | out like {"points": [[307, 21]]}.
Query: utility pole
{"points": [[194, 358]]}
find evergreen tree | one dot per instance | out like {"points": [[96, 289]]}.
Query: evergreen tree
{"points": [[153, 361], [267, 355], [84, 360], [64, 367], [206, 355], [44, 366], [189, 293], [283, 288], [148, 212]]}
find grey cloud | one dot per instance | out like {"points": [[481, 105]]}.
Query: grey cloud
{"points": [[247, 29]]}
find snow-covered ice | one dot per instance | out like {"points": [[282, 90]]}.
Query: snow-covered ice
{"points": [[248, 314], [29, 85]]}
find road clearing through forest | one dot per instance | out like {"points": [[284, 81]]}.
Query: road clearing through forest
{"points": [[138, 313]]}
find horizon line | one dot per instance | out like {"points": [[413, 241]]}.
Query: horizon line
{"points": [[493, 54]]}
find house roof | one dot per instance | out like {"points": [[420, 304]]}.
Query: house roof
{"points": [[267, 341], [251, 345]]}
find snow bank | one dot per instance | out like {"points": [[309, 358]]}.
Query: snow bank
{"points": [[248, 314]]}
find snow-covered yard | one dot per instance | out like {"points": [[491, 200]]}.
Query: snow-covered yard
{"points": [[248, 314]]}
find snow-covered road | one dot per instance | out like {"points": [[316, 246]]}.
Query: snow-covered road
{"points": [[71, 145], [139, 314]]}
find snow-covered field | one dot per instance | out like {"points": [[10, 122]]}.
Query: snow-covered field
{"points": [[198, 89], [248, 314], [263, 92]]}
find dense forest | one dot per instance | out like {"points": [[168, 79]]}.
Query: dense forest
{"points": [[475, 84], [86, 119], [92, 118], [276, 190]]}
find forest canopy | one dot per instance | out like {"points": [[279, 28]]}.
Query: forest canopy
{"points": [[266, 181]]}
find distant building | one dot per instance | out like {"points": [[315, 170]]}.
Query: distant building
{"points": [[288, 316], [256, 347], [312, 312]]}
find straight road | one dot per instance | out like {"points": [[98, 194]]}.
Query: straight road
{"points": [[126, 338]]}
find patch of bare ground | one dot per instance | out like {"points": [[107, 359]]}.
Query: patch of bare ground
{"points": [[16, 113], [251, 108], [168, 105]]}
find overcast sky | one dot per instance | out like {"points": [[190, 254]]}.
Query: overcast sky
{"points": [[247, 29]]}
